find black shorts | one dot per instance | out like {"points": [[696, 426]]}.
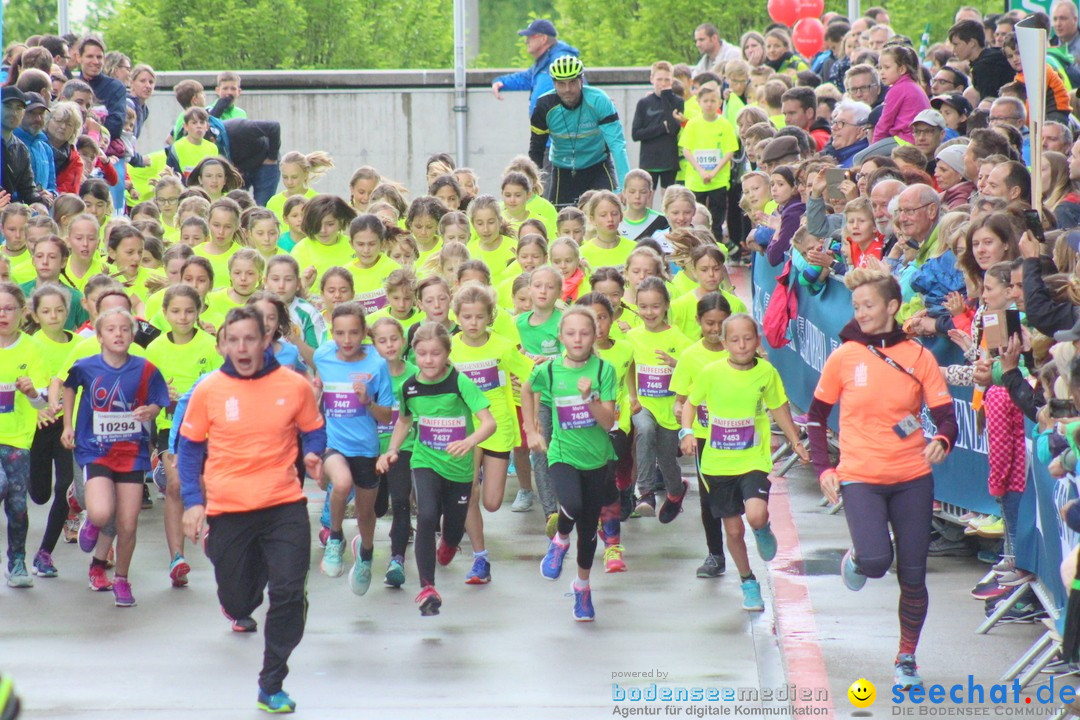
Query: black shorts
{"points": [[498, 454], [565, 186], [728, 493], [135, 477], [662, 178], [161, 440], [362, 469]]}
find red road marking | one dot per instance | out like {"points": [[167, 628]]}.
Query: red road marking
{"points": [[795, 623]]}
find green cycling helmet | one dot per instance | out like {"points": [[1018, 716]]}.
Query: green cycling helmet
{"points": [[566, 67]]}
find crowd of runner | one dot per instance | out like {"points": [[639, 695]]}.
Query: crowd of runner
{"points": [[174, 317]]}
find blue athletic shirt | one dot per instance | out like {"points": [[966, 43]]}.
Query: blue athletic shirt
{"points": [[350, 429], [106, 433]]}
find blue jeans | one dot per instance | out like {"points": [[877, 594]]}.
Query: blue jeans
{"points": [[263, 182], [1010, 507], [117, 191]]}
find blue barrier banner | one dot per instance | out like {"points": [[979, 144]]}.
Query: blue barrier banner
{"points": [[815, 333]]}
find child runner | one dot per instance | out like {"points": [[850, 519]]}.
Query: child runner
{"points": [[711, 275], [25, 377], [400, 287], [50, 255], [488, 360], [422, 220], [183, 354], [609, 282], [579, 392], [336, 286], [531, 253], [606, 248], [539, 206], [712, 310], [494, 242], [48, 311], [298, 171], [736, 458], [400, 246], [297, 356], [388, 338], [361, 185], [357, 395], [13, 219], [620, 355], [443, 402], [446, 190], [84, 239], [283, 279], [293, 218], [640, 220], [516, 192], [224, 224], [371, 267], [260, 229], [571, 224], [566, 257], [455, 227], [433, 298], [326, 217], [245, 276], [539, 330], [657, 348], [122, 395]]}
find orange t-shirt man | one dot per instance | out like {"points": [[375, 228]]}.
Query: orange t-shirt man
{"points": [[250, 427]]}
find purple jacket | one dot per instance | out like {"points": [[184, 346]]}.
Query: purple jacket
{"points": [[790, 215], [904, 101]]}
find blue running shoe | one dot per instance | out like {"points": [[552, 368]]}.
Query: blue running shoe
{"points": [[395, 572], [360, 577], [849, 571], [551, 565], [906, 673], [766, 542], [279, 702], [751, 593], [480, 573], [583, 607]]}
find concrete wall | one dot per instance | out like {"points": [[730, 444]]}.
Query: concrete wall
{"points": [[392, 120]]}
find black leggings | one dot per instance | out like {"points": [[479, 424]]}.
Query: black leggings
{"points": [[437, 497], [714, 536], [47, 454], [582, 494], [908, 507], [399, 483]]}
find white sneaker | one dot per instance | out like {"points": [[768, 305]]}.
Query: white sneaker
{"points": [[523, 502]]}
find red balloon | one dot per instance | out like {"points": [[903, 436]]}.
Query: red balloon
{"points": [[785, 12], [808, 36], [810, 8]]}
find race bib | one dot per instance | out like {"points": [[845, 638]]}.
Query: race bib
{"points": [[484, 373], [437, 433], [387, 429], [703, 416], [707, 159], [7, 397], [372, 301], [340, 401], [116, 426], [726, 434], [573, 413], [654, 381]]}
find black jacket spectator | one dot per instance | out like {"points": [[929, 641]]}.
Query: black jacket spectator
{"points": [[657, 130], [18, 178], [112, 94], [252, 142], [990, 71], [1043, 312]]}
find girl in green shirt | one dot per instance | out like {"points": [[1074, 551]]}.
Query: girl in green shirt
{"points": [[578, 388]]}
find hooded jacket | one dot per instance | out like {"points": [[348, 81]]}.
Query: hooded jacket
{"points": [[536, 79]]}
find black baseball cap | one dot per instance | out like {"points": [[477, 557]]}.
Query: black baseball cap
{"points": [[539, 27], [10, 92]]}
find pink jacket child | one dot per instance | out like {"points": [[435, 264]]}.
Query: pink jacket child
{"points": [[905, 100]]}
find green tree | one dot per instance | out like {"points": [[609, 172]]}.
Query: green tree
{"points": [[23, 18]]}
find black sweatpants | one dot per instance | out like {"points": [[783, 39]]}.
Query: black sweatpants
{"points": [[717, 203], [438, 498], [566, 186], [46, 455], [582, 494], [270, 549], [399, 483], [714, 535]]}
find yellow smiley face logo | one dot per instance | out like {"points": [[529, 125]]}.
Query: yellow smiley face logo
{"points": [[862, 693]]}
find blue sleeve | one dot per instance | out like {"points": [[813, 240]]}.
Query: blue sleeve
{"points": [[116, 104], [178, 417], [384, 394], [74, 377], [159, 391], [516, 81], [190, 458], [314, 441]]}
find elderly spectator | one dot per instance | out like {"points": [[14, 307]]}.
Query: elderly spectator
{"points": [[32, 133], [62, 128], [949, 174], [1057, 137], [1012, 112], [712, 47], [1010, 181], [848, 131], [968, 13], [1063, 18], [541, 40], [917, 212], [878, 36]]}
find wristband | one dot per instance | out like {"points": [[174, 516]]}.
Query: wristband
{"points": [[685, 433]]}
